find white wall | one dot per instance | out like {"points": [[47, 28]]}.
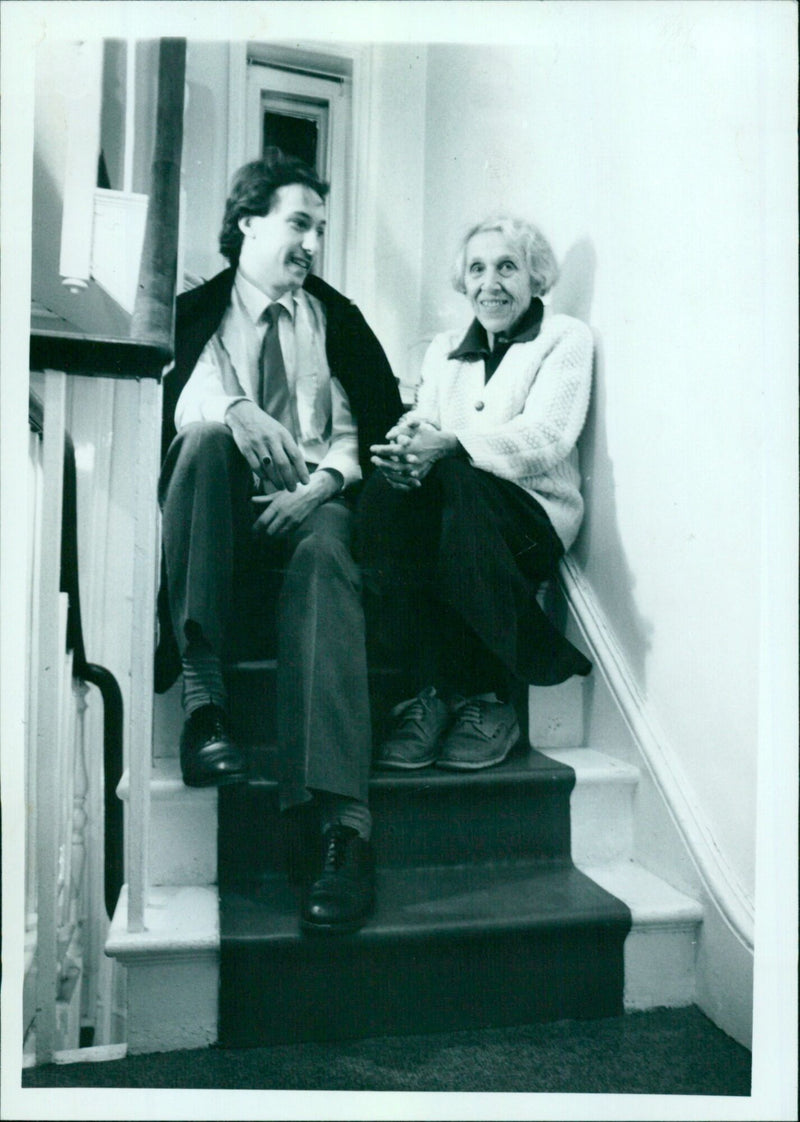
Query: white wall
{"points": [[638, 138], [389, 282], [639, 150], [204, 167], [91, 310]]}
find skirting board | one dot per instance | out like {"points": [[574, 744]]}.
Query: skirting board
{"points": [[721, 887]]}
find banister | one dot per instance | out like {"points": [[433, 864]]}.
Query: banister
{"points": [[90, 672], [97, 356], [142, 356], [97, 676], [113, 844]]}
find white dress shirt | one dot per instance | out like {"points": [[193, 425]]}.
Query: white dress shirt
{"points": [[227, 371]]}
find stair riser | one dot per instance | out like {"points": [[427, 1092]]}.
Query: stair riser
{"points": [[660, 966], [183, 831], [340, 989], [253, 703], [471, 824], [434, 825], [183, 840], [556, 712], [602, 822], [172, 1003]]}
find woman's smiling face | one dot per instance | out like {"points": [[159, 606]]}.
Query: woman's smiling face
{"points": [[497, 281]]}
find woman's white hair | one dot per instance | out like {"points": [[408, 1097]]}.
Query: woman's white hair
{"points": [[527, 239]]}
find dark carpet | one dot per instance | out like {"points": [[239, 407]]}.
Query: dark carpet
{"points": [[660, 1052]]}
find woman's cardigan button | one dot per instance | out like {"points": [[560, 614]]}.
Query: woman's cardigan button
{"points": [[479, 405]]}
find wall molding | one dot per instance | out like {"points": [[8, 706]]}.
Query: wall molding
{"points": [[719, 879]]}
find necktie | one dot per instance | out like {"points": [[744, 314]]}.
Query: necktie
{"points": [[273, 387]]}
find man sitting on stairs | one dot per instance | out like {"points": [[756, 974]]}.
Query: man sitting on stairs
{"points": [[282, 388]]}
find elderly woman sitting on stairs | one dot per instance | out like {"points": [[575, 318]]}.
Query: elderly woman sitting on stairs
{"points": [[475, 501]]}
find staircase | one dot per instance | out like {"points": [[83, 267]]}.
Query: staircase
{"points": [[504, 896]]}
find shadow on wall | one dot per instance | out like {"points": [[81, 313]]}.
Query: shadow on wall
{"points": [[599, 545], [399, 304], [573, 294]]}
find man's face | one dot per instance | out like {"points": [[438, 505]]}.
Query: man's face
{"points": [[497, 281], [278, 248]]}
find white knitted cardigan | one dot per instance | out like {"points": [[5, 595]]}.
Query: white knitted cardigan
{"points": [[523, 423]]}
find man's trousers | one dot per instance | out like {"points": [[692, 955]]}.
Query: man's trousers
{"points": [[323, 718]]}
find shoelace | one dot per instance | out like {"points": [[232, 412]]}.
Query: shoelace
{"points": [[415, 712], [470, 712], [335, 850]]}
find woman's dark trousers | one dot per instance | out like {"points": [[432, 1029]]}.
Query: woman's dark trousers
{"points": [[451, 571]]}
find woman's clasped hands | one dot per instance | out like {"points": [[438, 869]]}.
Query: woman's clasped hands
{"points": [[412, 448]]}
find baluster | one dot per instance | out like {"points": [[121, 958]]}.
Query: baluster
{"points": [[35, 487], [49, 669], [65, 748], [140, 722], [80, 910]]}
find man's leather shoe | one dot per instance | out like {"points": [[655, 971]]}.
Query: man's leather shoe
{"points": [[344, 894], [209, 758]]}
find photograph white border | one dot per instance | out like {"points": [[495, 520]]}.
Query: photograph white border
{"points": [[775, 1032]]}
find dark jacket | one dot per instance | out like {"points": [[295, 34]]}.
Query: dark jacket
{"points": [[355, 357]]}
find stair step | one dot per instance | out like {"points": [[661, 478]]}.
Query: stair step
{"points": [[519, 809], [601, 805], [172, 968], [183, 821], [449, 946], [183, 827], [556, 712], [661, 950]]}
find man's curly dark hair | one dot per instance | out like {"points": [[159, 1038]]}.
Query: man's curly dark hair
{"points": [[253, 192]]}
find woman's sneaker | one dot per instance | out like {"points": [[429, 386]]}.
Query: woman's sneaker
{"points": [[483, 733], [416, 727]]}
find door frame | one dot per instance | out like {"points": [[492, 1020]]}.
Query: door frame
{"points": [[352, 270]]}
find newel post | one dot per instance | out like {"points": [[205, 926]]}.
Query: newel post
{"points": [[153, 320]]}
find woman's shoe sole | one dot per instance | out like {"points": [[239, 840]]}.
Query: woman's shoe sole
{"points": [[404, 765], [477, 765]]}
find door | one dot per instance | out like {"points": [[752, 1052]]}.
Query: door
{"points": [[306, 115]]}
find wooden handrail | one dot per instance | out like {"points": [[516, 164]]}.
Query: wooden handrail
{"points": [[95, 356], [98, 676]]}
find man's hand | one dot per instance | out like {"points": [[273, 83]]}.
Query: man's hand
{"points": [[284, 511], [270, 450]]}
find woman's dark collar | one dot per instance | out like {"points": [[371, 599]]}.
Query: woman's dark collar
{"points": [[475, 344]]}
